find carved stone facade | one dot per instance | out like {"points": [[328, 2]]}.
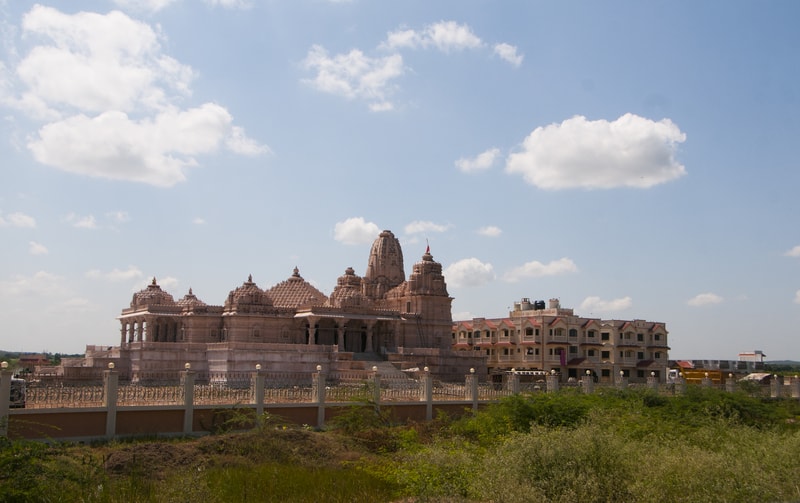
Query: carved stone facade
{"points": [[292, 326]]}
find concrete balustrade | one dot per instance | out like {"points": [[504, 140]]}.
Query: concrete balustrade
{"points": [[185, 416]]}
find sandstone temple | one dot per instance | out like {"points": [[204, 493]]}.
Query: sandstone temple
{"points": [[379, 318]]}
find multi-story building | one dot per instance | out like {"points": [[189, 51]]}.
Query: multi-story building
{"points": [[547, 337]]}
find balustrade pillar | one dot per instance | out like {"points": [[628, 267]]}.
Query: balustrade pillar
{"points": [[652, 382], [552, 383], [426, 392], [318, 394], [5, 397], [776, 386], [513, 382], [730, 384], [587, 383], [680, 385], [376, 387], [110, 397], [258, 384], [622, 381], [795, 385], [471, 387], [187, 379]]}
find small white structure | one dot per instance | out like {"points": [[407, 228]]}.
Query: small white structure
{"points": [[756, 356]]}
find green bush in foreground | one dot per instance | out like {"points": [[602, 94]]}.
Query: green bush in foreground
{"points": [[631, 446]]}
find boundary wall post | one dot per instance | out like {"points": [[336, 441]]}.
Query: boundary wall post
{"points": [[110, 397], [376, 388], [471, 386], [258, 396], [5, 398], [187, 379], [426, 393], [318, 394]]}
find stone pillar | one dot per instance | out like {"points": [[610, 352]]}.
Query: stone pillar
{"points": [[552, 383], [5, 397], [730, 384], [706, 382], [622, 380], [376, 387], [368, 346], [187, 380], [340, 331], [426, 392], [795, 385], [652, 382], [776, 386], [318, 394], [471, 387], [587, 383], [258, 385], [512, 384], [312, 330], [680, 385], [122, 334], [110, 395]]}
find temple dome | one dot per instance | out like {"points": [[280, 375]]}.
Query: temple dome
{"points": [[190, 302], [295, 292], [385, 267], [153, 295], [248, 298], [347, 292]]}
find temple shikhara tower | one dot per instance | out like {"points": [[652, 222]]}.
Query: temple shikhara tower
{"points": [[293, 327]]}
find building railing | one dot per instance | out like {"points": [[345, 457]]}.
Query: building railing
{"points": [[187, 390]]}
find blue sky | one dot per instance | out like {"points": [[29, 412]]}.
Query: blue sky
{"points": [[635, 160]]}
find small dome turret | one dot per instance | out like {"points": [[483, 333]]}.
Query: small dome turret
{"points": [[248, 298], [153, 295]]}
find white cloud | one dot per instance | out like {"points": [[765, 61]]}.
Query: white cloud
{"points": [[108, 96], [132, 272], [481, 162], [119, 217], [463, 315], [144, 5], [469, 272], [445, 36], [536, 269], [238, 142], [509, 53], [490, 231], [705, 299], [794, 252], [41, 284], [87, 222], [97, 62], [629, 152], [198, 221], [421, 227], [354, 75], [35, 248], [18, 220], [597, 305], [231, 4], [73, 305], [156, 151], [797, 297], [354, 231]]}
